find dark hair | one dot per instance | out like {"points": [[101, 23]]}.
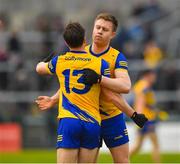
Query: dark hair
{"points": [[110, 18], [74, 35], [147, 72]]}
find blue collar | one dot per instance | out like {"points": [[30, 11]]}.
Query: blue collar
{"points": [[78, 52], [97, 55]]}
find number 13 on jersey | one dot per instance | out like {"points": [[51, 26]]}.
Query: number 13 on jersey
{"points": [[67, 75]]}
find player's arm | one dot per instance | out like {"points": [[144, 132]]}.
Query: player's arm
{"points": [[46, 102], [140, 102], [118, 100], [121, 103], [121, 83], [45, 68]]}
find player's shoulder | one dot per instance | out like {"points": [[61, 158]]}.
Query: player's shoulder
{"points": [[60, 55], [140, 86], [117, 53]]}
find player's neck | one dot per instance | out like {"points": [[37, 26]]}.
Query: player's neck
{"points": [[77, 49], [99, 49]]}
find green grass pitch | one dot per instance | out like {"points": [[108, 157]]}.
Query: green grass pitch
{"points": [[49, 156]]}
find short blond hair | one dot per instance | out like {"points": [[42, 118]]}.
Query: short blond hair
{"points": [[108, 17]]}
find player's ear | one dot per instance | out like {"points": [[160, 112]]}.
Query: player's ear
{"points": [[113, 34]]}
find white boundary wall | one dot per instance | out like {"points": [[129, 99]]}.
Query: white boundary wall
{"points": [[168, 135]]}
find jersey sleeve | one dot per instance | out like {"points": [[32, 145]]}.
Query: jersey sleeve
{"points": [[105, 70], [52, 65], [121, 62]]}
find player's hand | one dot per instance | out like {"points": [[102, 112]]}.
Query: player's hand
{"points": [[44, 102], [49, 57], [139, 119], [90, 77]]}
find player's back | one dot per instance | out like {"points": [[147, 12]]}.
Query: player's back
{"points": [[78, 100]]}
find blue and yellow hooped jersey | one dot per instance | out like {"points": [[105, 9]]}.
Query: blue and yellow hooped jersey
{"points": [[141, 88], [78, 100], [116, 60]]}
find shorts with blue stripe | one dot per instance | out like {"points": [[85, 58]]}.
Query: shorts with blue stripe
{"points": [[76, 133], [114, 131]]}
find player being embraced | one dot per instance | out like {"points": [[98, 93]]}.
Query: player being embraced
{"points": [[79, 117], [113, 128]]}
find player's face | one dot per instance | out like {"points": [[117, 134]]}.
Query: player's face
{"points": [[152, 78], [102, 32]]}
